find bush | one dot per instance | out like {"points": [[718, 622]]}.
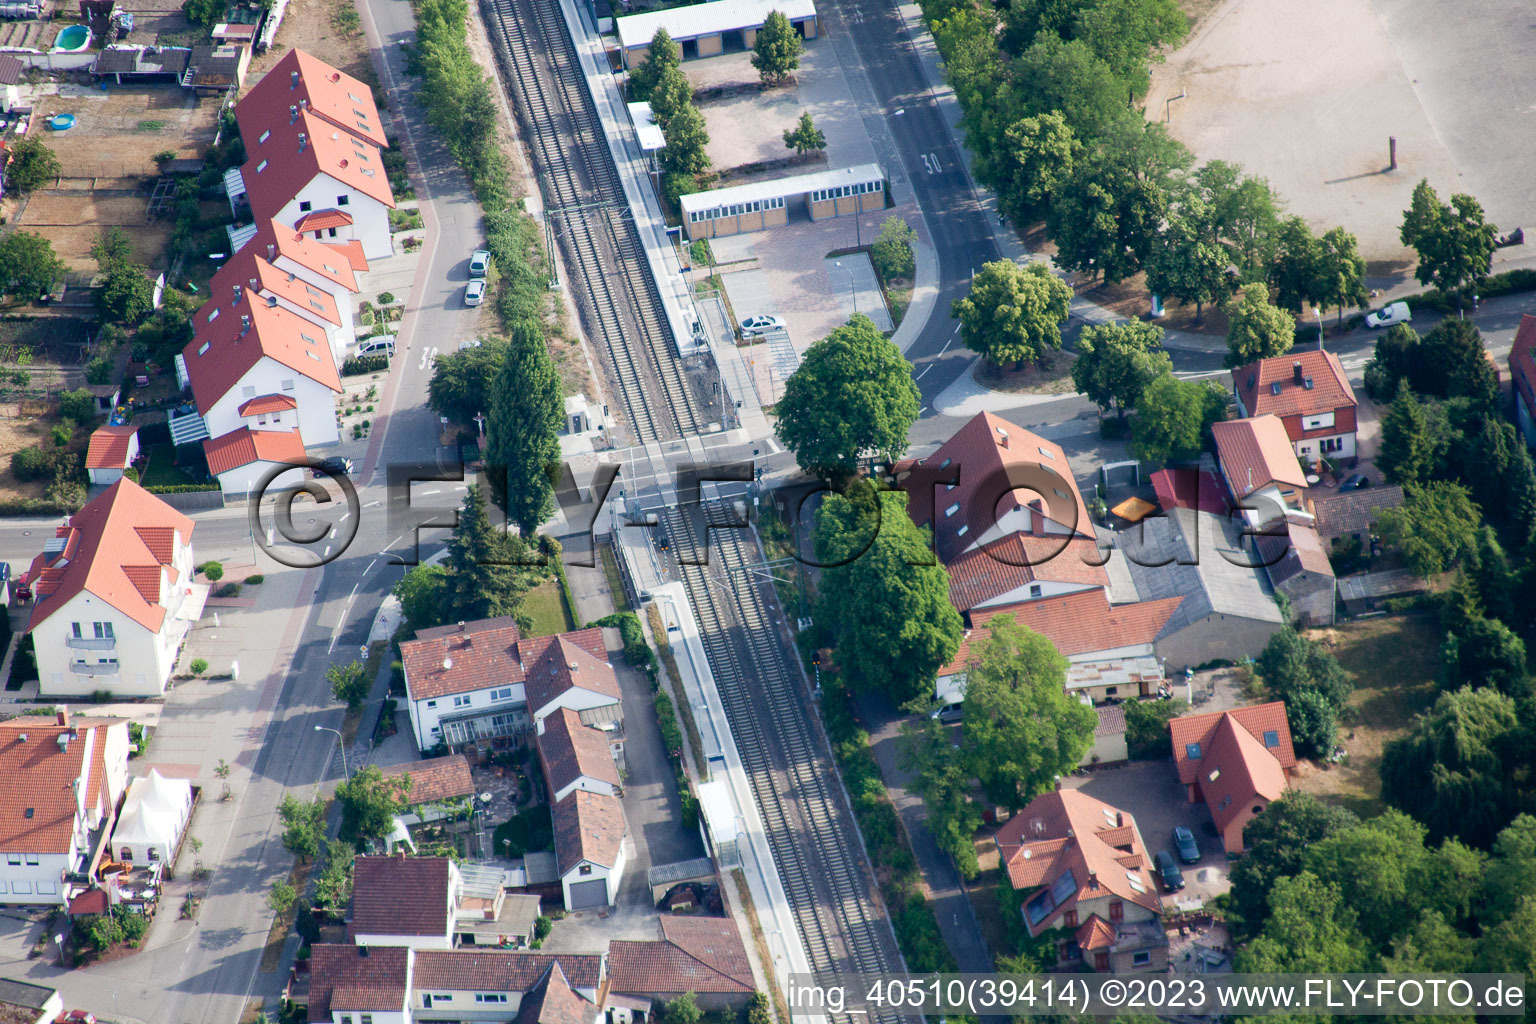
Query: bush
{"points": [[228, 590], [212, 485], [101, 696], [542, 926], [636, 651], [31, 464], [78, 405], [61, 435], [98, 370], [386, 298], [359, 365], [213, 570], [255, 580], [198, 666]]}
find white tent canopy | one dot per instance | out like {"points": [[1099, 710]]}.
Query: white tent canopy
{"points": [[154, 815]]}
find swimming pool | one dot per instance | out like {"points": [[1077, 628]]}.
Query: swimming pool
{"points": [[72, 39]]}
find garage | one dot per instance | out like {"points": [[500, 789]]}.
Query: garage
{"points": [[585, 895]]}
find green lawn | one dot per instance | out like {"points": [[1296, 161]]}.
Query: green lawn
{"points": [[161, 470], [547, 609]]}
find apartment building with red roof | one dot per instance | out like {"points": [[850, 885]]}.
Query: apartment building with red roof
{"points": [[113, 596], [1311, 394], [1237, 761], [314, 145], [250, 270], [62, 782], [1008, 520], [111, 451], [1522, 373], [1081, 865], [483, 682]]}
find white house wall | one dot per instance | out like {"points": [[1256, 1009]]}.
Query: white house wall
{"points": [[245, 479], [587, 784], [38, 884], [370, 218], [411, 941], [316, 402], [144, 658], [344, 296], [427, 714], [1048, 588]]}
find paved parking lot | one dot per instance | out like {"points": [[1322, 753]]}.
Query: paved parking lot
{"points": [[1151, 793]]}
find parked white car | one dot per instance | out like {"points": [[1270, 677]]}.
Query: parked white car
{"points": [[761, 324], [1392, 313], [474, 292]]}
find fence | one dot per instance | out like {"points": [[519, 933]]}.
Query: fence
{"points": [[194, 501]]}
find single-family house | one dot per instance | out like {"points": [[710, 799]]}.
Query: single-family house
{"points": [[249, 270], [114, 596], [484, 681], [1081, 865], [111, 450], [403, 901], [1353, 515], [702, 955], [591, 848], [1298, 566], [1310, 393], [440, 786], [528, 987], [348, 983], [63, 779], [1237, 761], [575, 756], [1109, 648], [22, 1002], [1522, 372], [1007, 518], [1261, 470], [314, 146], [1195, 551]]}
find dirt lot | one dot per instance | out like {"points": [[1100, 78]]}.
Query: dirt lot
{"points": [[1393, 662], [73, 222], [312, 24], [118, 132]]}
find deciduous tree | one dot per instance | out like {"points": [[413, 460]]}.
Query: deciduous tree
{"points": [[892, 251], [1436, 526], [686, 155], [1291, 664], [884, 595], [1173, 418], [1013, 314], [852, 393], [32, 164], [1255, 329], [1294, 270], [28, 266], [423, 596], [349, 683], [1340, 272], [1278, 841], [944, 780], [1186, 263], [804, 137], [1039, 154], [303, 825], [660, 55], [461, 384], [369, 803], [1455, 244], [776, 51], [522, 455], [1022, 730], [1116, 362], [1311, 928]]}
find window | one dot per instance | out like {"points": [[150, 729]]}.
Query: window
{"points": [[1271, 738], [1117, 911], [1045, 454], [359, 113], [75, 627], [963, 530], [585, 869], [363, 126], [31, 860], [103, 630], [431, 703], [316, 306], [1069, 919], [1192, 751], [1101, 961], [261, 420], [154, 854], [127, 853], [264, 136], [490, 997], [249, 391], [945, 463], [332, 233], [21, 887], [304, 205], [214, 315], [1215, 774], [1140, 958], [318, 234], [313, 356], [462, 701], [307, 338], [367, 1018], [952, 510], [287, 385], [1034, 590], [13, 859], [261, 167], [1258, 809], [202, 349], [309, 288], [505, 693], [1110, 691], [343, 200]]}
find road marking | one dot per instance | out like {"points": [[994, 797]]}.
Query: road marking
{"points": [[345, 516], [371, 504], [332, 534], [327, 551], [427, 356], [435, 490], [370, 567], [925, 370], [956, 330], [898, 113]]}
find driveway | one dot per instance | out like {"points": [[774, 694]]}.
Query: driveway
{"points": [[1151, 793]]}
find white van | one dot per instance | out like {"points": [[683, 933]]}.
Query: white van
{"points": [[378, 345], [1392, 313]]}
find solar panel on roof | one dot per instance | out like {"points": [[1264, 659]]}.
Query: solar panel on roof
{"points": [[1065, 886]]}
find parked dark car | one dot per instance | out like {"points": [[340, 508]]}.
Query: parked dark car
{"points": [[1173, 878], [334, 466], [1184, 842], [1355, 482]]}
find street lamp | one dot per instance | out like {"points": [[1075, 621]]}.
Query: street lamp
{"points": [[342, 743], [852, 291], [1168, 105]]}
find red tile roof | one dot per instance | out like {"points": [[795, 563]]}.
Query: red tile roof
{"points": [[262, 404], [1095, 934], [501, 971], [569, 750], [1081, 622], [553, 1002], [989, 456], [1522, 362], [1255, 453], [1330, 389], [588, 827], [1075, 846], [397, 895], [1020, 559], [1257, 719], [490, 652], [357, 979], [319, 220], [1295, 549], [1188, 488], [92, 901], [245, 446], [567, 662], [37, 801], [351, 251], [696, 954], [276, 170], [233, 337], [436, 779], [109, 447], [1111, 720], [117, 546], [249, 269], [300, 76], [277, 240]]}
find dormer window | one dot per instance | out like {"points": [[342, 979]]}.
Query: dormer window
{"points": [[1192, 751]]}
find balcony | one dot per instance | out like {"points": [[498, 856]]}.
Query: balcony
{"points": [[83, 668], [86, 643]]}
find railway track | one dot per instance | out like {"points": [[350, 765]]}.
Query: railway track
{"points": [[616, 295], [810, 829]]}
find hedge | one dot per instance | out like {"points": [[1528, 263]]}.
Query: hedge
{"points": [[637, 651], [33, 507], [359, 365], [212, 485]]}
